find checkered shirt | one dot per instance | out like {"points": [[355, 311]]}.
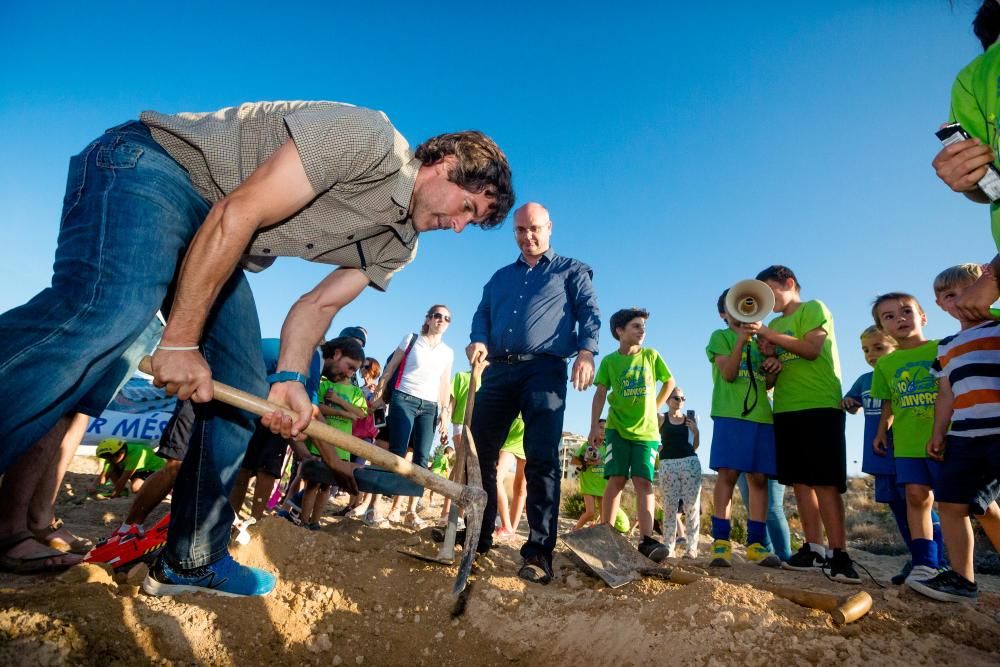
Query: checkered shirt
{"points": [[361, 169]]}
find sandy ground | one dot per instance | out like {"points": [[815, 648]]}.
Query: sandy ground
{"points": [[346, 596]]}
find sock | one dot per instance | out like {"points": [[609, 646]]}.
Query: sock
{"points": [[898, 508], [818, 549], [755, 531], [122, 529], [924, 552], [938, 539], [720, 528]]}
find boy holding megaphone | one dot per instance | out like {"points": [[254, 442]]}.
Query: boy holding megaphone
{"points": [[811, 452]]}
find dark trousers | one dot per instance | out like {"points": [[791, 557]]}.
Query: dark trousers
{"points": [[537, 390]]}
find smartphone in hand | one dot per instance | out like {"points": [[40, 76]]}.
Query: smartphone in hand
{"points": [[691, 415]]}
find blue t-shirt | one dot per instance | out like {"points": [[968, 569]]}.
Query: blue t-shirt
{"points": [[871, 463], [271, 346]]}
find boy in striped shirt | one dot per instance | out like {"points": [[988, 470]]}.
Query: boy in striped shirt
{"points": [[966, 437]]}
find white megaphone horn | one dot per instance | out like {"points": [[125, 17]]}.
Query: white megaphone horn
{"points": [[749, 301]]}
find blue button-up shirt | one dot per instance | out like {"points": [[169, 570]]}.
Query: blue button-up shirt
{"points": [[549, 308]]}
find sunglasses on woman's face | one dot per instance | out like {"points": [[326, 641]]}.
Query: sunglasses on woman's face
{"points": [[678, 398], [440, 316]]}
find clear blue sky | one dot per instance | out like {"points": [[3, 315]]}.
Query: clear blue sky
{"points": [[679, 149]]}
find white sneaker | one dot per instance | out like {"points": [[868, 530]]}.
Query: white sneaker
{"points": [[395, 517], [355, 512], [414, 521], [921, 573]]}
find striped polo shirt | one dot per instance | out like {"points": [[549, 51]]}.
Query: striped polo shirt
{"points": [[970, 360]]}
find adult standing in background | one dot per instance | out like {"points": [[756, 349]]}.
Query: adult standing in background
{"points": [[534, 315], [680, 475]]}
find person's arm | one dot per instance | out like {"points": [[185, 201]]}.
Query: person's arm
{"points": [[343, 471], [852, 399], [479, 335], [304, 325], [597, 407], [444, 396], [809, 347], [729, 364], [771, 367], [300, 449], [665, 391], [976, 299], [277, 189], [696, 434], [588, 319], [343, 408], [881, 442], [120, 482], [944, 410]]}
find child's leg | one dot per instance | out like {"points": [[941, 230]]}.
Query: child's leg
{"points": [[990, 523], [812, 525], [957, 530], [898, 509], [503, 504], [261, 493], [722, 497], [136, 484], [670, 485], [612, 499], [309, 501], [239, 492], [322, 498], [919, 500], [757, 508], [588, 512], [520, 495], [644, 501], [680, 532], [831, 509]]}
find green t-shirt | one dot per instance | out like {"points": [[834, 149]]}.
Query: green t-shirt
{"points": [[803, 384], [592, 482], [631, 379], [728, 397], [460, 392], [349, 393], [905, 377], [441, 465], [140, 458], [975, 104]]}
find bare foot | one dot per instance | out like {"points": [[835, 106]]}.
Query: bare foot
{"points": [[33, 549]]}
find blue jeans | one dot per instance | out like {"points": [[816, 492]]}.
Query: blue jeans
{"points": [[412, 416], [129, 213], [537, 390], [776, 537]]}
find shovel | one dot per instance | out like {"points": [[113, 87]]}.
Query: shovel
{"points": [[466, 468], [471, 497]]}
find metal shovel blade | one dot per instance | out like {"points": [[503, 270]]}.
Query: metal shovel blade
{"points": [[607, 554]]}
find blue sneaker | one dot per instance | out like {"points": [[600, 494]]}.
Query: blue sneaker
{"points": [[223, 577]]}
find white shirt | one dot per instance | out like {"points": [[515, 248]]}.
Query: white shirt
{"points": [[425, 365]]}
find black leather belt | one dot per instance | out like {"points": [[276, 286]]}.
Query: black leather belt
{"points": [[514, 358]]}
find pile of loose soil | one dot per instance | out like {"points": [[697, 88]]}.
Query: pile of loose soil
{"points": [[347, 596]]}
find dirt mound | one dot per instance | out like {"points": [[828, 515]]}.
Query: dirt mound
{"points": [[347, 597]]}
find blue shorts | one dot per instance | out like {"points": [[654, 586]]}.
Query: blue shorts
{"points": [[746, 446], [969, 472], [888, 490], [917, 471]]}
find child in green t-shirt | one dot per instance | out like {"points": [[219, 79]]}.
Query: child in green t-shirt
{"points": [[341, 403], [126, 465], [590, 461], [810, 449], [632, 433], [904, 382], [743, 434]]}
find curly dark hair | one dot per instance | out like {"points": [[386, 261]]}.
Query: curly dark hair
{"points": [[481, 167], [621, 318], [779, 274], [348, 347]]}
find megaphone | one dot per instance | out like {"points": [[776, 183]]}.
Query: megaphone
{"points": [[749, 301]]}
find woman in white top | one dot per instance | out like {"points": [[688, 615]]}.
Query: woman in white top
{"points": [[421, 390]]}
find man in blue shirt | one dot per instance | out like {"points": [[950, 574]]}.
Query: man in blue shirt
{"points": [[535, 313]]}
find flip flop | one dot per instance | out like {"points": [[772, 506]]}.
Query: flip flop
{"points": [[17, 565], [78, 545]]}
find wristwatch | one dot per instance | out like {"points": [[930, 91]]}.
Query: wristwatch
{"points": [[286, 376]]}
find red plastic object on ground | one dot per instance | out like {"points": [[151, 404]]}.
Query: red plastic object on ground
{"points": [[120, 550]]}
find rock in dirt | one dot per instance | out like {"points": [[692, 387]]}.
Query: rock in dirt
{"points": [[137, 574], [88, 573]]}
